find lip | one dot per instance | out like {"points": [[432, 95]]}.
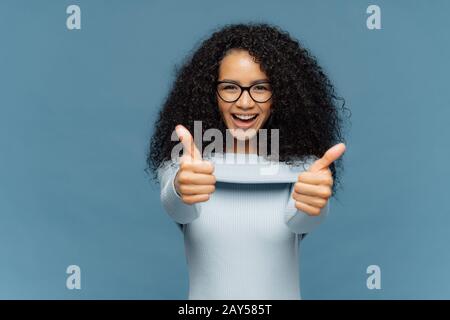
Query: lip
{"points": [[243, 125]]}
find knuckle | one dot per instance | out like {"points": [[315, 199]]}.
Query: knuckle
{"points": [[313, 211], [326, 192], [186, 200], [321, 203], [198, 165], [208, 166], [330, 182], [183, 165], [182, 177], [205, 198]]}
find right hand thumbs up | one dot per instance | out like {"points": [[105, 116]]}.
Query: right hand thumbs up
{"points": [[194, 181], [190, 151]]}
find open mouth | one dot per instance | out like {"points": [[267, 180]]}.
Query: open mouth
{"points": [[244, 120]]}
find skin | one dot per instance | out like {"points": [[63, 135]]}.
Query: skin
{"points": [[195, 179], [238, 66]]}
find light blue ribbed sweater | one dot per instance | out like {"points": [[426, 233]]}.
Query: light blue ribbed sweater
{"points": [[243, 243]]}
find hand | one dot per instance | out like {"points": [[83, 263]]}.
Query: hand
{"points": [[313, 189], [194, 180]]}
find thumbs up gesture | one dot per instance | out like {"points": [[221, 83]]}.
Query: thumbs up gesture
{"points": [[314, 187], [194, 181]]}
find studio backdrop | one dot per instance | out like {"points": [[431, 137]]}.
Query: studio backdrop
{"points": [[82, 82]]}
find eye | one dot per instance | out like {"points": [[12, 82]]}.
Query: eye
{"points": [[261, 87], [228, 87]]}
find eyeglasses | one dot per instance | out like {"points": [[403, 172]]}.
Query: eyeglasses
{"points": [[231, 92]]}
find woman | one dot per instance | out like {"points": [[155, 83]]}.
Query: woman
{"points": [[242, 229]]}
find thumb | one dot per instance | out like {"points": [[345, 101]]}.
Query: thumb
{"points": [[189, 147], [328, 158]]}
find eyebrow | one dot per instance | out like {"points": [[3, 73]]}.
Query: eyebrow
{"points": [[251, 83]]}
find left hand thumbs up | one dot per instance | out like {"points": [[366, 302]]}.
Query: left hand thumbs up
{"points": [[313, 188], [332, 154]]}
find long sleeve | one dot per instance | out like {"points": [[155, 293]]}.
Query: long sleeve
{"points": [[179, 211], [299, 221]]}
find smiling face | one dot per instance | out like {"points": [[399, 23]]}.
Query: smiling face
{"points": [[238, 67]]}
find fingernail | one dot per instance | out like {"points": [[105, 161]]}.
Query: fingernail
{"points": [[177, 130]]}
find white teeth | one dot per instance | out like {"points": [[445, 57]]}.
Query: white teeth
{"points": [[245, 117]]}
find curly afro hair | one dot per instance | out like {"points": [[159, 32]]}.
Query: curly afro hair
{"points": [[304, 107]]}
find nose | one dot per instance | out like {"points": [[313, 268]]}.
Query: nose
{"points": [[245, 101]]}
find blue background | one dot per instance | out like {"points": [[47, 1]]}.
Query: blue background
{"points": [[77, 109]]}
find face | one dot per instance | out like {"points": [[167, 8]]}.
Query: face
{"points": [[244, 117]]}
